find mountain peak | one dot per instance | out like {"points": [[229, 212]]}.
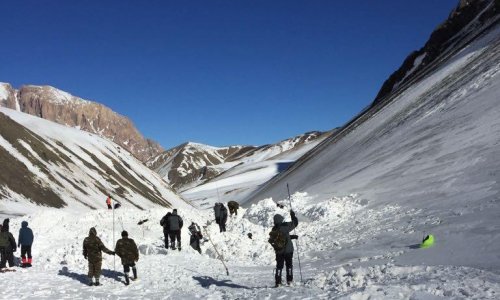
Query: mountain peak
{"points": [[53, 104]]}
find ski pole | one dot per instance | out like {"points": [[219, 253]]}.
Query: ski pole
{"points": [[296, 241], [216, 251], [114, 257]]}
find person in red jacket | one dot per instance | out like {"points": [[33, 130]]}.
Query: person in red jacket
{"points": [[108, 202]]}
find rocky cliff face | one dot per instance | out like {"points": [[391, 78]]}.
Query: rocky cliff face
{"points": [[63, 108], [462, 23]]}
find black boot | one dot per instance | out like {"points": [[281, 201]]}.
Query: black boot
{"points": [[97, 282], [179, 245], [277, 277], [134, 270], [172, 245], [127, 280], [289, 275], [90, 283]]}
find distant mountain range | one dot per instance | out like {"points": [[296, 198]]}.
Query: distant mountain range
{"points": [[61, 107], [191, 164]]}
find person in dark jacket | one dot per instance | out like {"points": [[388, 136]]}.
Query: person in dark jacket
{"points": [[166, 227], [7, 246], [5, 224], [223, 218], [92, 251], [175, 224], [285, 255], [127, 250], [25, 241], [196, 236], [220, 216], [233, 207], [217, 209]]}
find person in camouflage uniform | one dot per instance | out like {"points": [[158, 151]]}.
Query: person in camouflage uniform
{"points": [[7, 245], [127, 250], [92, 248]]}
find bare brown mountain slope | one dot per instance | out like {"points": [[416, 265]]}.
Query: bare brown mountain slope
{"points": [[55, 105]]}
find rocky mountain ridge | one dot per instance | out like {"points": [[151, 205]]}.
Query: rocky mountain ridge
{"points": [[457, 30], [61, 107], [191, 164]]}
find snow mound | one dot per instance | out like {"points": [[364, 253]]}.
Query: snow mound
{"points": [[415, 282]]}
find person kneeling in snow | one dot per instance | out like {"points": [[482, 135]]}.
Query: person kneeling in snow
{"points": [[233, 207], [283, 247], [127, 250], [25, 241], [92, 248], [196, 236]]}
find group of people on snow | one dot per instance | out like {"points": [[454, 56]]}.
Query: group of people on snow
{"points": [[126, 248], [8, 245], [172, 224]]}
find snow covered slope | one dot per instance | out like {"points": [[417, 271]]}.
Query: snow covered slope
{"points": [[432, 154], [47, 164]]}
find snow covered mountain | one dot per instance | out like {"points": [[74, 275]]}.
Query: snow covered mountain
{"points": [[430, 152], [47, 164], [191, 164], [423, 160], [55, 105]]}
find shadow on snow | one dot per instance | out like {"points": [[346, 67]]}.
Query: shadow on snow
{"points": [[83, 278], [206, 282]]}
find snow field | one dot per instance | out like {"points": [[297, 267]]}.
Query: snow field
{"points": [[336, 241]]}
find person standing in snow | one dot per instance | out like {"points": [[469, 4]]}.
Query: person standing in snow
{"points": [[7, 245], [5, 224], [285, 255], [166, 227], [196, 236], [217, 208], [233, 207], [175, 225], [92, 248], [25, 241], [127, 250], [108, 202], [223, 218], [220, 216]]}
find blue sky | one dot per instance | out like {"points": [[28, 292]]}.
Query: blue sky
{"points": [[216, 72]]}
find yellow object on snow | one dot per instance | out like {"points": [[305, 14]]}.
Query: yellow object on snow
{"points": [[427, 242]]}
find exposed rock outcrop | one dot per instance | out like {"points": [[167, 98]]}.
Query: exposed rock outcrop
{"points": [[462, 21], [55, 105]]}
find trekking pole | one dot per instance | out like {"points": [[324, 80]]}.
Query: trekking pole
{"points": [[297, 240], [216, 251], [114, 257]]}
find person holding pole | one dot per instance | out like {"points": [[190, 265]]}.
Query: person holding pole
{"points": [[283, 246]]}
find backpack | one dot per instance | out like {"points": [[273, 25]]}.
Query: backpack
{"points": [[277, 239], [4, 240]]}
